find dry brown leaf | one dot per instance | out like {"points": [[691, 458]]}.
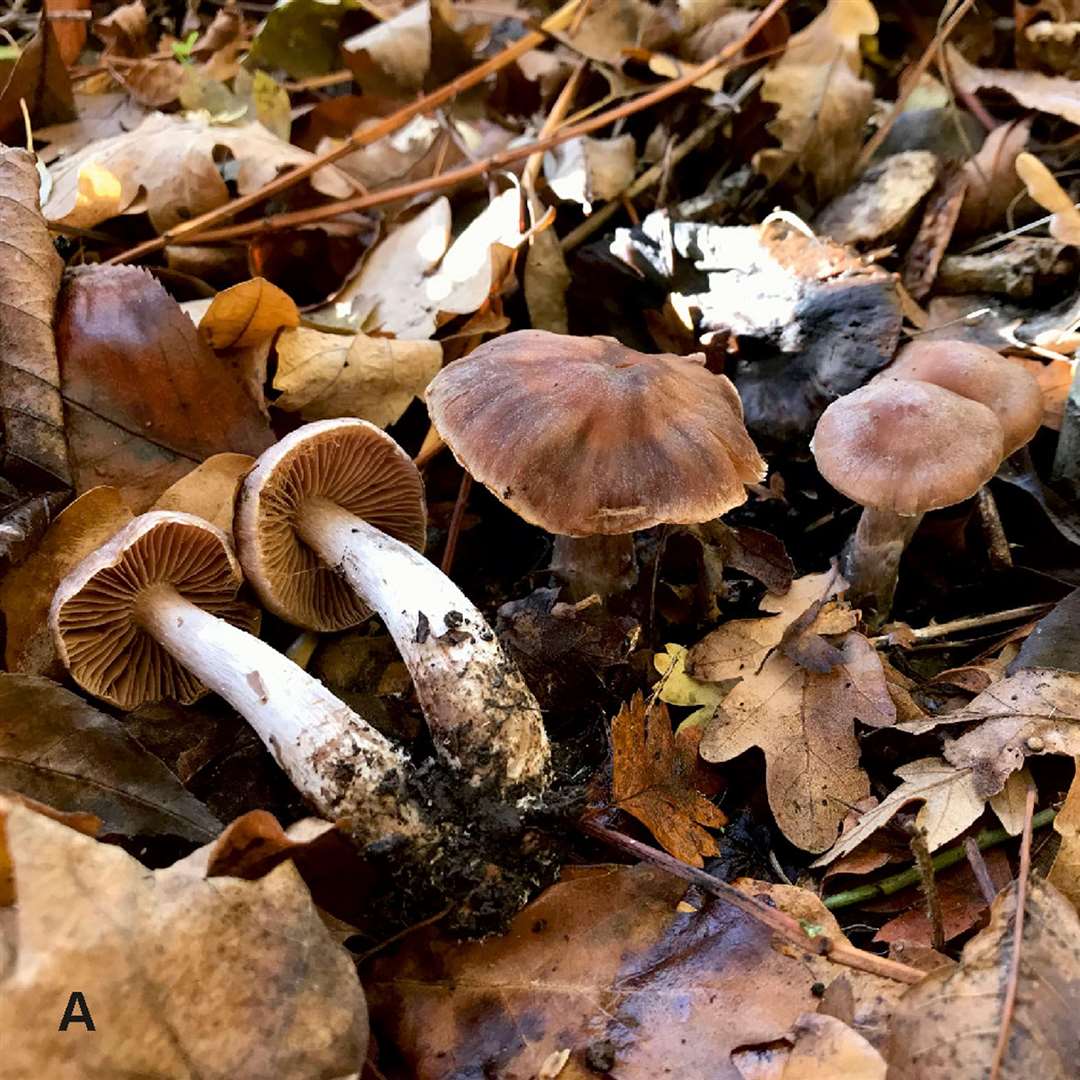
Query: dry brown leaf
{"points": [[947, 1026], [546, 280], [40, 79], [823, 103], [741, 646], [56, 748], [322, 376], [589, 170], [605, 965], [182, 975], [70, 33], [804, 723], [125, 30], [1043, 187], [991, 180], [171, 160], [821, 1048], [146, 399], [1065, 873], [398, 50], [607, 29], [99, 117], [209, 490], [26, 591], [648, 782], [247, 314], [406, 154], [1047, 93], [31, 414], [1054, 379]]}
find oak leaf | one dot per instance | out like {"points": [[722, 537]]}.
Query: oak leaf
{"points": [[804, 723]]}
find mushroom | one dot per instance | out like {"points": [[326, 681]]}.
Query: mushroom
{"points": [[973, 371], [329, 525], [154, 614], [900, 448], [585, 437]]}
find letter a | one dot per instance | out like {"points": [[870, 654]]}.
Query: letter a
{"points": [[81, 1017]]}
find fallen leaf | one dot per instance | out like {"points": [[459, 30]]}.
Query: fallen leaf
{"points": [[405, 154], [299, 37], [70, 33], [546, 280], [145, 397], [950, 805], [1055, 380], [1050, 195], [990, 180], [1065, 873], [934, 234], [26, 591], [588, 170], [821, 1048], [209, 490], [648, 783], [172, 160], [606, 966], [322, 376], [31, 413], [823, 103], [125, 30], [804, 723], [99, 117], [678, 688], [947, 1026], [247, 314], [1032, 89], [1054, 642], [181, 975], [56, 748], [398, 50], [40, 79], [739, 648]]}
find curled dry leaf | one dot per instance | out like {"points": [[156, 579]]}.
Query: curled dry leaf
{"points": [[26, 591], [146, 398], [248, 314], [677, 688], [823, 103], [39, 79], [56, 748], [608, 965], [31, 414], [182, 975], [172, 160], [648, 782], [209, 490], [1043, 187], [947, 1026], [804, 723], [393, 55], [322, 376], [990, 178], [588, 170], [100, 116], [1065, 873]]}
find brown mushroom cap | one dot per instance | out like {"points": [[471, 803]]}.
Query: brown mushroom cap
{"points": [[93, 612], [349, 462], [1009, 390], [581, 435], [907, 446]]}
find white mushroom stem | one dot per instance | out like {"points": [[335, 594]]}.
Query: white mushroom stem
{"points": [[872, 559], [339, 762], [482, 716]]}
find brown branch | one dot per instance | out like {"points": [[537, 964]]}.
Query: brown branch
{"points": [[782, 924], [184, 234], [359, 139], [1009, 1007]]}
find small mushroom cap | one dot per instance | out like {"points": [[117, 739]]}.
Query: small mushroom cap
{"points": [[1009, 390], [581, 435], [907, 446], [93, 616], [348, 462]]}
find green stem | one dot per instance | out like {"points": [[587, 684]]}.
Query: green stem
{"points": [[949, 857]]}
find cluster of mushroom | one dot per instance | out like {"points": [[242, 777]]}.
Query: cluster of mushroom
{"points": [[329, 526], [926, 433]]}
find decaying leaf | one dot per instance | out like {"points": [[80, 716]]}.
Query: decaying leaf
{"points": [[209, 490], [678, 688], [990, 180], [648, 782], [605, 964], [588, 170], [56, 748], [818, 1047], [321, 376], [1065, 873], [950, 804], [26, 591], [398, 50], [146, 398], [1048, 193], [947, 1027], [181, 975], [822, 101], [804, 723], [39, 79], [299, 37], [247, 315], [31, 415], [171, 160]]}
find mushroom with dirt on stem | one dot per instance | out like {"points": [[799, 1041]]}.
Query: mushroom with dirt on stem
{"points": [[155, 614], [592, 441], [900, 448], [329, 526]]}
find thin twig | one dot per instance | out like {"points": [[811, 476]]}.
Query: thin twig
{"points": [[978, 868], [782, 924], [925, 865], [956, 626], [186, 234], [1008, 1008], [365, 137], [455, 523]]}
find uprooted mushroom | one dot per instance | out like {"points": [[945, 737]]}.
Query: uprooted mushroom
{"points": [[593, 441]]}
